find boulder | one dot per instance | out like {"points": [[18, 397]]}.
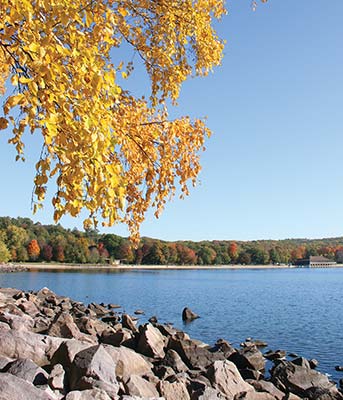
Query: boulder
{"points": [[138, 386], [207, 393], [57, 378], [225, 377], [64, 326], [127, 322], [173, 360], [150, 342], [189, 315], [268, 387], [298, 378], [275, 355], [225, 347], [67, 351], [176, 390], [29, 307], [252, 395], [21, 322], [139, 312], [315, 393], [99, 310], [193, 355], [91, 394], [91, 326], [93, 362], [128, 362], [21, 344], [120, 337], [14, 388], [248, 358], [28, 370]]}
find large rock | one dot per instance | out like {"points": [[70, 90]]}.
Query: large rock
{"points": [[21, 344], [120, 337], [64, 326], [67, 351], [225, 377], [151, 342], [248, 358], [173, 391], [94, 363], [297, 378], [138, 386], [207, 393], [128, 362], [189, 315], [268, 387], [252, 395], [173, 360], [56, 378], [193, 355], [91, 326], [90, 394], [28, 370], [14, 388], [128, 323], [21, 322]]}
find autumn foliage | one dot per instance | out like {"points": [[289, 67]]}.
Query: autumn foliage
{"points": [[109, 152], [33, 250]]}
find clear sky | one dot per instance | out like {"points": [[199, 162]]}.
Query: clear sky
{"points": [[273, 168]]}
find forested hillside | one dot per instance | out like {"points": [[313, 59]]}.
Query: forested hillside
{"points": [[23, 240]]}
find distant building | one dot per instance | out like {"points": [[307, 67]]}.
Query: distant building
{"points": [[315, 262]]}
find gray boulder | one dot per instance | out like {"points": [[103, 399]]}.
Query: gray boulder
{"points": [[192, 354], [138, 386], [189, 315], [28, 370], [248, 358], [151, 342], [176, 390], [298, 378], [91, 394], [128, 362], [57, 378], [95, 363], [225, 377], [14, 388]]}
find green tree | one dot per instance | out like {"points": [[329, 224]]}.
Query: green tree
{"points": [[5, 255]]}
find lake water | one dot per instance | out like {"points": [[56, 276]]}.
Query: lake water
{"points": [[299, 310]]}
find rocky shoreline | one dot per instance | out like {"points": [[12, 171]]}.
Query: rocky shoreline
{"points": [[54, 348]]}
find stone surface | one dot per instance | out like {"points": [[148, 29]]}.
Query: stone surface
{"points": [[21, 344], [189, 315], [268, 387], [91, 394], [138, 386], [297, 378], [28, 370], [173, 360], [64, 326], [14, 388], [67, 351], [128, 362], [225, 377], [57, 377], [193, 355], [248, 358], [151, 342], [252, 395], [173, 391], [128, 323], [93, 362]]}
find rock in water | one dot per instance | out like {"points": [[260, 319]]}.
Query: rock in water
{"points": [[188, 314]]}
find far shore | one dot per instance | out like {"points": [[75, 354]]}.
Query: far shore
{"points": [[125, 267]]}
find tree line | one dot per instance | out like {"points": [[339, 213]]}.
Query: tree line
{"points": [[23, 240]]}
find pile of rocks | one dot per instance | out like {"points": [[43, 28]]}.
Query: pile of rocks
{"points": [[54, 348]]}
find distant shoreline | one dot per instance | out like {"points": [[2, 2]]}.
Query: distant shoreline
{"points": [[105, 267]]}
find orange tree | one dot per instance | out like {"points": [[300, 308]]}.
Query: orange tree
{"points": [[109, 152]]}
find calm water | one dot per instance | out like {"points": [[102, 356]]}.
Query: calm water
{"points": [[297, 310]]}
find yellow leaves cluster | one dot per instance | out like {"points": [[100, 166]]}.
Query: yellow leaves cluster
{"points": [[109, 152]]}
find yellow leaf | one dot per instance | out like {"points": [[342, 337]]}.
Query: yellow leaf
{"points": [[3, 123]]}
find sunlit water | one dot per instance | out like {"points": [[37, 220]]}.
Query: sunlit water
{"points": [[299, 310]]}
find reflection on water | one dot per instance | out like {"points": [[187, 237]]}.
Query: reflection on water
{"points": [[297, 310]]}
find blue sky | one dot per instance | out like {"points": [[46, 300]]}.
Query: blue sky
{"points": [[273, 168]]}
